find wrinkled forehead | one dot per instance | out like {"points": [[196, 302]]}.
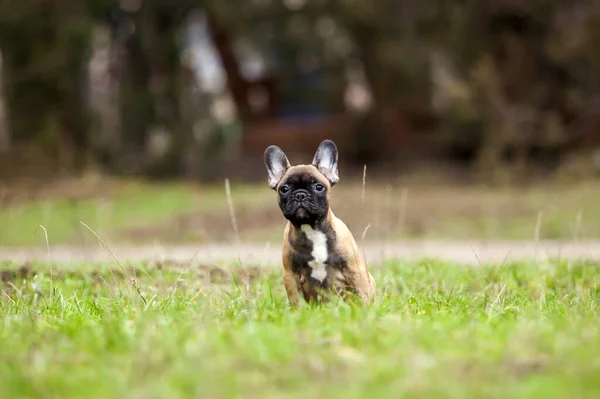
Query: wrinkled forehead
{"points": [[303, 175]]}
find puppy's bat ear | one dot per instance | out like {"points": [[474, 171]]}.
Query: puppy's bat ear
{"points": [[277, 164], [326, 160]]}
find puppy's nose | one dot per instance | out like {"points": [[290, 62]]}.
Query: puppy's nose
{"points": [[300, 196]]}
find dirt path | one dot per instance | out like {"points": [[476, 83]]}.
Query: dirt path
{"points": [[257, 255]]}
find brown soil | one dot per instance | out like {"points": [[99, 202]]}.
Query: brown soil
{"points": [[204, 226], [208, 273], [72, 189]]}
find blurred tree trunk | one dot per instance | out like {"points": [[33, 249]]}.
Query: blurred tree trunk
{"points": [[236, 83], [367, 38], [155, 134], [135, 102], [5, 139], [106, 52], [44, 46]]}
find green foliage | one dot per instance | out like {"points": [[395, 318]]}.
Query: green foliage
{"points": [[496, 80]]}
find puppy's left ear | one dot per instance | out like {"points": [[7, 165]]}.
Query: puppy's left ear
{"points": [[277, 164], [326, 160]]}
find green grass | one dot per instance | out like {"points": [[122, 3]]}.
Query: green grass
{"points": [[437, 330]]}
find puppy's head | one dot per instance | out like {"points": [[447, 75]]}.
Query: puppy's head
{"points": [[303, 190]]}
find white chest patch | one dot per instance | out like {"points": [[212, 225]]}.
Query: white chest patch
{"points": [[319, 252]]}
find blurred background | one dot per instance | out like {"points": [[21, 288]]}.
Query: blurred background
{"points": [[476, 118]]}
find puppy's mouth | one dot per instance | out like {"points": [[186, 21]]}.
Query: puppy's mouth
{"points": [[302, 207], [301, 212]]}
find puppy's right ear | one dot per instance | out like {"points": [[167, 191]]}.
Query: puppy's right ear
{"points": [[277, 164]]}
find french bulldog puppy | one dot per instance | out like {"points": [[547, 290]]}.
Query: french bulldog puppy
{"points": [[320, 255]]}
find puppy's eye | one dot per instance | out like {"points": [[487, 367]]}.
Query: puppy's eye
{"points": [[284, 189], [319, 187]]}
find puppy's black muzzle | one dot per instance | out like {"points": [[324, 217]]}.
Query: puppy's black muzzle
{"points": [[301, 206], [301, 196], [301, 199]]}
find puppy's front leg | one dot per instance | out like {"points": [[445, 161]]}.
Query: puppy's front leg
{"points": [[290, 283]]}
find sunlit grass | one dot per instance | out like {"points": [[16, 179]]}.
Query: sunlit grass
{"points": [[436, 330]]}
